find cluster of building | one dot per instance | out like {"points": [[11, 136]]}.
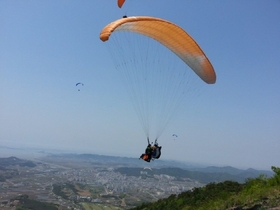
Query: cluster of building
{"points": [[37, 183]]}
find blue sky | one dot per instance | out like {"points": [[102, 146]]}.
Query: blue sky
{"points": [[46, 47]]}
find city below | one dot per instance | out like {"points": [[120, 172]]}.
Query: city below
{"points": [[71, 181]]}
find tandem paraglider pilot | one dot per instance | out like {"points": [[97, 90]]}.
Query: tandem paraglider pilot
{"points": [[151, 152]]}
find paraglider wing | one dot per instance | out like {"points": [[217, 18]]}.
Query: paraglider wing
{"points": [[169, 35], [120, 3], [174, 135], [146, 52], [79, 83]]}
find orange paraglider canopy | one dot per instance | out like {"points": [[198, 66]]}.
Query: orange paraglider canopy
{"points": [[169, 35], [120, 3]]}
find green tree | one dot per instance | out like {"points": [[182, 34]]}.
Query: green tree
{"points": [[276, 170]]}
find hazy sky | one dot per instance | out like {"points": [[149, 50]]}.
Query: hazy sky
{"points": [[46, 47]]}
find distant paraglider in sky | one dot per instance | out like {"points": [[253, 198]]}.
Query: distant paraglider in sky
{"points": [[175, 135], [148, 54], [78, 85]]}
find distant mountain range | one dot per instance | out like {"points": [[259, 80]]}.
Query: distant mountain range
{"points": [[13, 161], [133, 167], [248, 173], [130, 166], [203, 177]]}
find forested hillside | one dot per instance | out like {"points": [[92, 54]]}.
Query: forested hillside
{"points": [[258, 193]]}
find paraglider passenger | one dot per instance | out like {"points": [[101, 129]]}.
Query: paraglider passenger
{"points": [[151, 152], [154, 150], [148, 153]]}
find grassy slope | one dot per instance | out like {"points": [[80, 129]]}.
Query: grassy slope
{"points": [[258, 193]]}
